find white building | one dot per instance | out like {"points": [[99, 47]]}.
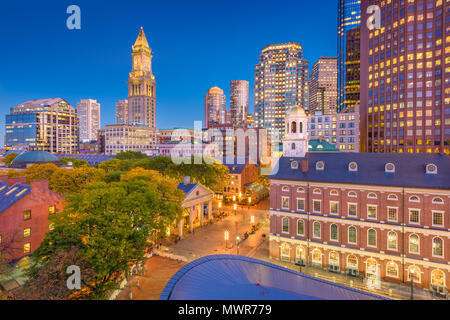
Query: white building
{"points": [[89, 119], [122, 138]]}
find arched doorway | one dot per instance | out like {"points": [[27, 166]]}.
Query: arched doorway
{"points": [[438, 282], [373, 274]]}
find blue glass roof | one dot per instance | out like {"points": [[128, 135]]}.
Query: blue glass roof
{"points": [[9, 196], [34, 157], [229, 277]]}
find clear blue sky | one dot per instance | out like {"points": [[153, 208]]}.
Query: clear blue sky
{"points": [[196, 45]]}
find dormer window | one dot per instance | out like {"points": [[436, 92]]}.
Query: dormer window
{"points": [[300, 190], [432, 169], [353, 167], [438, 201], [334, 193], [389, 168], [352, 194], [317, 191], [294, 165], [320, 165], [392, 197], [372, 196], [414, 199], [285, 189]]}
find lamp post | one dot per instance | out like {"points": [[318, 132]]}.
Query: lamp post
{"points": [[252, 219], [227, 234], [237, 245], [412, 284]]}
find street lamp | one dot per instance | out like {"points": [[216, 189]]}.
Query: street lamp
{"points": [[227, 234], [412, 284], [237, 243], [235, 208], [252, 219], [220, 204]]}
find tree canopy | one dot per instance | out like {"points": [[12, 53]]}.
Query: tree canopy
{"points": [[9, 158]]}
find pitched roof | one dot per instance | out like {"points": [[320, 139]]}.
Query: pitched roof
{"points": [[9, 196], [410, 169], [187, 188], [92, 159]]}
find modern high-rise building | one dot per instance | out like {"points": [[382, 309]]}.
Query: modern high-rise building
{"points": [[142, 85], [89, 119], [349, 18], [239, 102], [353, 71], [43, 125], [281, 80], [123, 137], [405, 97], [323, 86], [122, 112], [215, 107]]}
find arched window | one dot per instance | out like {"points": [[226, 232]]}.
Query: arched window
{"points": [[371, 267], [317, 230], [352, 194], [334, 193], [333, 258], [301, 127], [285, 189], [317, 191], [285, 223], [438, 278], [352, 262], [293, 146], [300, 253], [392, 240], [414, 243], [414, 199], [372, 238], [334, 232], [352, 235], [438, 201], [300, 227], [417, 274], [438, 247], [285, 252], [316, 256], [300, 190], [392, 197], [372, 196], [294, 127], [392, 269]]}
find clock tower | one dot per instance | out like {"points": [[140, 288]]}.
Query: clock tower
{"points": [[142, 85], [295, 142]]}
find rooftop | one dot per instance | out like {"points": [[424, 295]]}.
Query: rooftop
{"points": [[9, 196], [32, 157]]}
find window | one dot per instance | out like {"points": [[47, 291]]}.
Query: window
{"points": [[432, 169], [414, 244], [285, 252], [285, 189], [27, 215], [334, 232], [371, 238], [414, 216], [353, 166], [417, 274], [389, 168], [300, 227], [438, 219], [334, 207], [352, 207], [392, 269], [438, 278], [392, 197], [320, 166], [51, 210], [294, 164], [301, 204], [392, 214], [352, 262], [372, 196], [438, 201], [352, 194], [438, 247], [27, 248], [334, 193], [352, 235], [333, 258], [371, 211], [285, 225], [317, 230], [26, 232], [392, 240], [317, 204], [414, 199], [300, 190], [285, 203], [316, 256], [317, 191]]}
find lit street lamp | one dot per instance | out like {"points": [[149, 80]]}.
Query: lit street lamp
{"points": [[235, 208], [237, 243], [226, 239], [252, 219], [412, 284]]}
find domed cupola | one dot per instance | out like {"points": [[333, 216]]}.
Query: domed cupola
{"points": [[295, 143]]}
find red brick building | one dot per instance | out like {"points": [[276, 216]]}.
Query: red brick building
{"points": [[24, 211], [380, 216]]}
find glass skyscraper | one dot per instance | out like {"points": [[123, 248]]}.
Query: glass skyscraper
{"points": [[349, 18]]}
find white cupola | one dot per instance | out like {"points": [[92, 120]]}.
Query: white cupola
{"points": [[295, 142]]}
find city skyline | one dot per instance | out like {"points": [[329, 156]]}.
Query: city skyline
{"points": [[110, 63]]}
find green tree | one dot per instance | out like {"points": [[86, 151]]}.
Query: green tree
{"points": [[65, 181], [9, 158], [129, 155], [76, 163], [109, 166], [35, 172]]}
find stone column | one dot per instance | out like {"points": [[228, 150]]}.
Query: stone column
{"points": [[181, 227], [202, 216], [210, 212], [191, 218]]}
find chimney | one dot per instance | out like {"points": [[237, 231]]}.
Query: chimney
{"points": [[304, 165], [187, 180]]}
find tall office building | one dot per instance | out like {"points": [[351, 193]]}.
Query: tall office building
{"points": [[215, 107], [323, 86], [142, 85], [239, 102], [349, 18], [122, 112], [89, 119], [405, 97], [281, 80], [353, 71], [45, 125]]}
